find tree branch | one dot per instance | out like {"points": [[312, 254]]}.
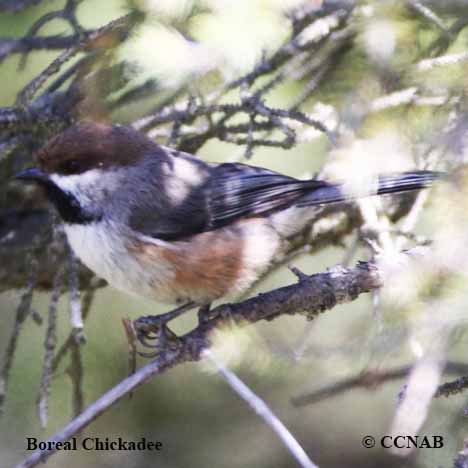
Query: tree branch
{"points": [[262, 409], [371, 379], [9, 46], [310, 296]]}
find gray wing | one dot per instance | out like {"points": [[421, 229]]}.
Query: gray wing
{"points": [[239, 190], [231, 192]]}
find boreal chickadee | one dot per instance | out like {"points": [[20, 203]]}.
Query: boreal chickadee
{"points": [[165, 225]]}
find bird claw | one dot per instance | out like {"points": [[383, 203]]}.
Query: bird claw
{"points": [[145, 340], [152, 332]]}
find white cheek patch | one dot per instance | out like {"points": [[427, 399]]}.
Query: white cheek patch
{"points": [[77, 182], [71, 182], [88, 186]]}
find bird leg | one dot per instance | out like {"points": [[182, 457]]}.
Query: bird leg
{"points": [[131, 339], [152, 330], [204, 314]]}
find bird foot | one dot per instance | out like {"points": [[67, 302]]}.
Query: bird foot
{"points": [[156, 336], [152, 331]]}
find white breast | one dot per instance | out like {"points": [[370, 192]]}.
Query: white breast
{"points": [[101, 248]]}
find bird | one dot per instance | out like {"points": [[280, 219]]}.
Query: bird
{"points": [[165, 225]]}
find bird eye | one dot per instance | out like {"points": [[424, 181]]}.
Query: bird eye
{"points": [[72, 166]]}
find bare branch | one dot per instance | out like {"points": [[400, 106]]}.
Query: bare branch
{"points": [[442, 61], [76, 318], [49, 345], [9, 46], [75, 371], [370, 379], [262, 409], [427, 13], [25, 95], [22, 312], [454, 387], [73, 337], [310, 296]]}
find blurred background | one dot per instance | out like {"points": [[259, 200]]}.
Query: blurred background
{"points": [[375, 83]]}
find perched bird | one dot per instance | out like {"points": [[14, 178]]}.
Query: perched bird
{"points": [[163, 224]]}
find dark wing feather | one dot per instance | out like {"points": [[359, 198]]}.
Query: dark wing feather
{"points": [[231, 192], [238, 190], [234, 191]]}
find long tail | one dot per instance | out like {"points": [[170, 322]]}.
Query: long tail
{"points": [[395, 183]]}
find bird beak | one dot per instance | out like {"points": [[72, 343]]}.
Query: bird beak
{"points": [[32, 174]]}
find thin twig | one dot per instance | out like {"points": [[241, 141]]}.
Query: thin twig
{"points": [[75, 371], [10, 46], [22, 312], [371, 379], [454, 387], [442, 61], [87, 301], [25, 95], [49, 345], [262, 409], [429, 14], [76, 318]]}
